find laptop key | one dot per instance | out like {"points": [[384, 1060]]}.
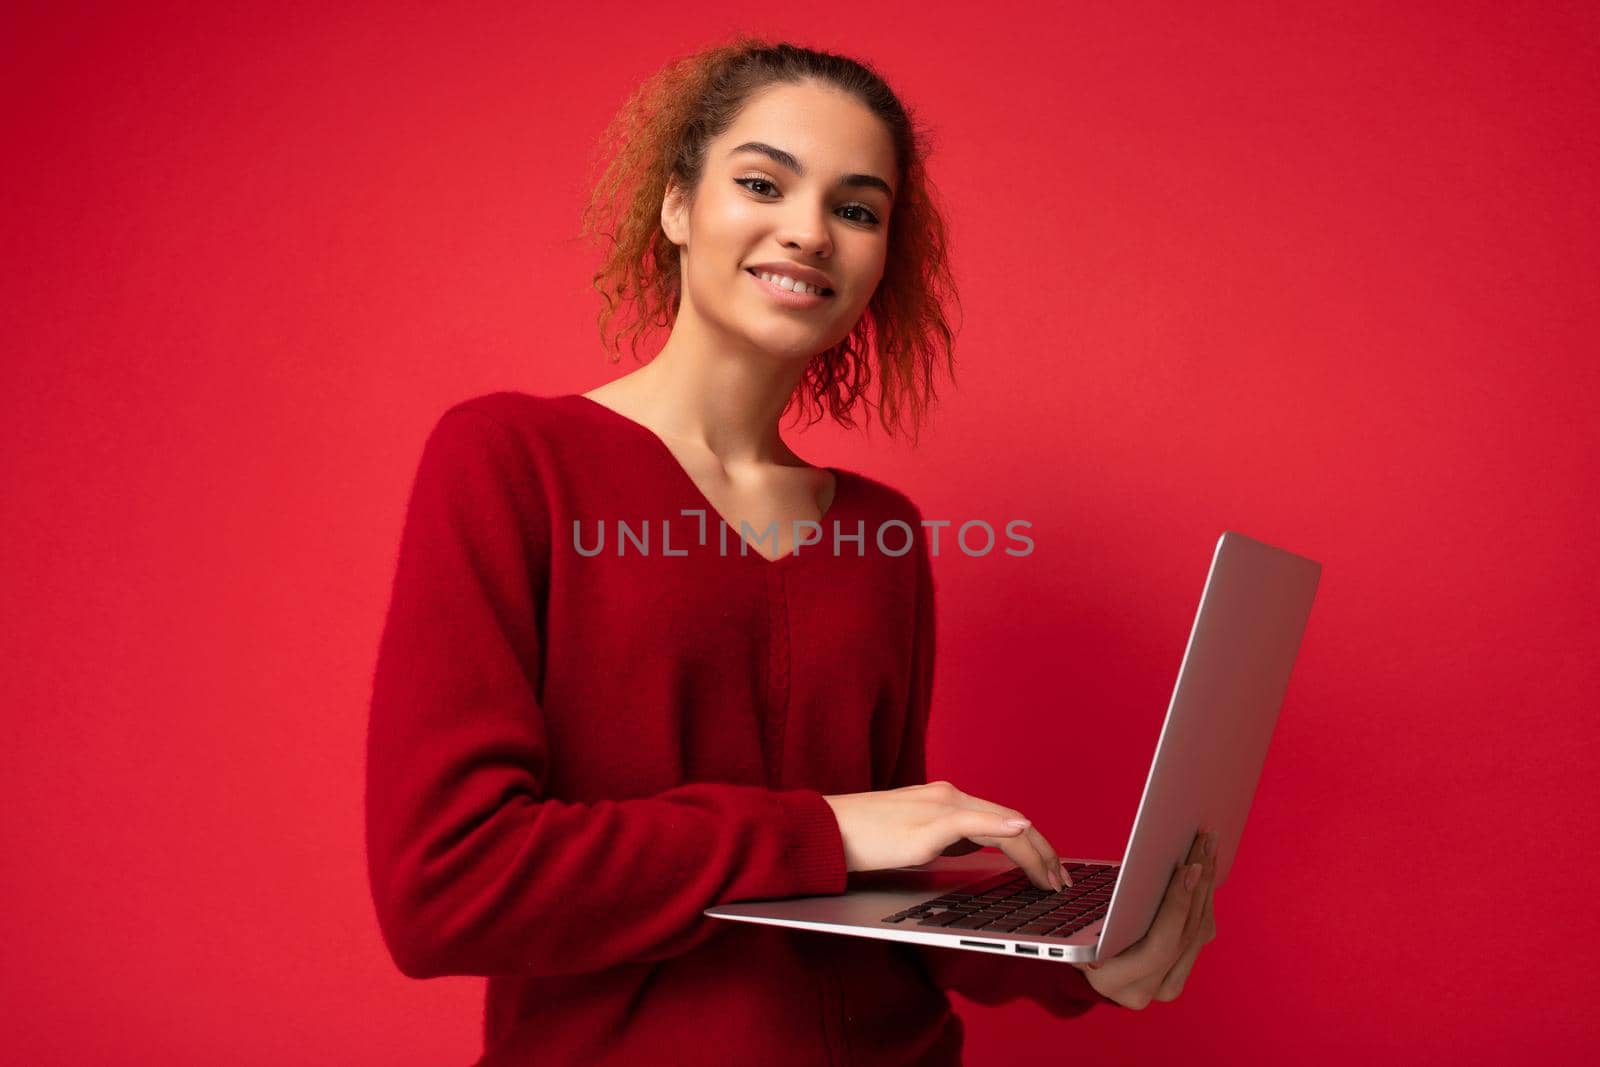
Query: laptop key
{"points": [[944, 919]]}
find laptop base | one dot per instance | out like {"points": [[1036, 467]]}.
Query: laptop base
{"points": [[872, 895]]}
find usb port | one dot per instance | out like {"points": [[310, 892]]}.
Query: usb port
{"points": [[1056, 952], [1028, 950]]}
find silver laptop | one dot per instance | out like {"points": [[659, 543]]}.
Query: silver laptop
{"points": [[1230, 687]]}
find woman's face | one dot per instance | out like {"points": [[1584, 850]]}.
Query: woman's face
{"points": [[816, 197]]}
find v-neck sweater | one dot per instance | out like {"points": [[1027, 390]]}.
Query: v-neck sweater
{"points": [[573, 751]]}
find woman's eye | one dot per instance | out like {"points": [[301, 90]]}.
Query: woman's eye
{"points": [[870, 217], [751, 183]]}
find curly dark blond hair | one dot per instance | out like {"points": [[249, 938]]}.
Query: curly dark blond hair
{"points": [[663, 131]]}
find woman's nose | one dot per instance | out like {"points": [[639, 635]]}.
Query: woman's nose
{"points": [[806, 228]]}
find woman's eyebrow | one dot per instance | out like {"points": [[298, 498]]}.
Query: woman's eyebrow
{"points": [[786, 159]]}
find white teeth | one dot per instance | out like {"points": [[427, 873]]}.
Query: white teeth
{"points": [[787, 283]]}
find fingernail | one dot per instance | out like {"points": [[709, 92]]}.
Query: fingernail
{"points": [[1192, 877], [1055, 881], [1064, 875], [1020, 824]]}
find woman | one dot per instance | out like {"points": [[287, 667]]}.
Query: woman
{"points": [[578, 744]]}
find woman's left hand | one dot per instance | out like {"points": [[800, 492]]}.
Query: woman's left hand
{"points": [[1156, 966]]}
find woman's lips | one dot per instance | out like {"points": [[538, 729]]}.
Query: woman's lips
{"points": [[788, 297]]}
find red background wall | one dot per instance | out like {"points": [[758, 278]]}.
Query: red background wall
{"points": [[1326, 278]]}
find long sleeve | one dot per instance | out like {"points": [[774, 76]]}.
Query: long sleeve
{"points": [[474, 869], [1060, 989]]}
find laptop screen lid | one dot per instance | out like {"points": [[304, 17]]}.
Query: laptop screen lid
{"points": [[1231, 684]]}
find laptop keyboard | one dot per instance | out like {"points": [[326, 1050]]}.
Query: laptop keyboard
{"points": [[1010, 903]]}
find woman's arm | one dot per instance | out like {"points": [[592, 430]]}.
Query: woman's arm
{"points": [[476, 871]]}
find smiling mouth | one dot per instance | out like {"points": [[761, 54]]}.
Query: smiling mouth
{"points": [[757, 276]]}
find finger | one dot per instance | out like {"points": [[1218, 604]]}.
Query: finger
{"points": [[974, 822], [1201, 899], [1041, 863], [1197, 847], [1147, 961], [1141, 966], [1023, 849], [1198, 857], [1050, 858], [1202, 892], [1197, 907], [1155, 953], [1021, 852], [1048, 876], [1172, 984], [967, 800]]}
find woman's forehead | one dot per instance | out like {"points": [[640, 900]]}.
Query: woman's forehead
{"points": [[812, 126]]}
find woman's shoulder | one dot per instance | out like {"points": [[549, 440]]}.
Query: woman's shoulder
{"points": [[528, 438], [558, 427], [881, 497], [518, 411]]}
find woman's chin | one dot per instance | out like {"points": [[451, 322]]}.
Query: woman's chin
{"points": [[789, 344]]}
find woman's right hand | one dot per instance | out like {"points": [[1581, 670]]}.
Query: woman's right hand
{"points": [[913, 825]]}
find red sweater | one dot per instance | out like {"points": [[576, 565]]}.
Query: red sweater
{"points": [[571, 755]]}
